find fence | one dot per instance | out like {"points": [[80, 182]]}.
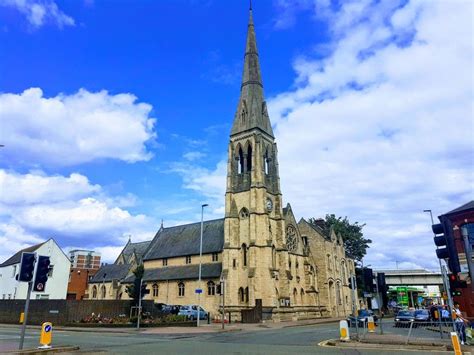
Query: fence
{"points": [[62, 312]]}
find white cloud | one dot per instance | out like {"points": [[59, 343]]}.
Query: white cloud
{"points": [[382, 127], [72, 129], [35, 207], [191, 156], [38, 13]]}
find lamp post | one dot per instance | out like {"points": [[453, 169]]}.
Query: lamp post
{"points": [[200, 264]]}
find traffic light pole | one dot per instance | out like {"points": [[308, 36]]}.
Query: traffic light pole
{"points": [[23, 326], [448, 291], [354, 306], [468, 251], [139, 304]]}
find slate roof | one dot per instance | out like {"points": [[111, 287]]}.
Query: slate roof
{"points": [[111, 272], [322, 231], [183, 272], [137, 248], [16, 258], [465, 207], [184, 240]]}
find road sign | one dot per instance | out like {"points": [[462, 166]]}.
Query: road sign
{"points": [[39, 286], [46, 335], [198, 290]]}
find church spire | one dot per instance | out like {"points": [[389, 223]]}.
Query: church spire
{"points": [[252, 109]]}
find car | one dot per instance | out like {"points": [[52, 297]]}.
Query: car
{"points": [[404, 317], [422, 315], [362, 318], [170, 309], [191, 312]]}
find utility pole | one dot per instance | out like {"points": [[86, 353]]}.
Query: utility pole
{"points": [[139, 304], [448, 291], [200, 264]]}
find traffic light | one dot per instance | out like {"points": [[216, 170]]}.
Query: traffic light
{"points": [[382, 286], [144, 290], [368, 279], [42, 271], [27, 267], [455, 293], [455, 282], [445, 240]]}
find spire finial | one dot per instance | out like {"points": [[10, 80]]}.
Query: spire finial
{"points": [[250, 8], [162, 223]]}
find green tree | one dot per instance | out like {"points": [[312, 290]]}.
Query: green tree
{"points": [[133, 290], [354, 242]]}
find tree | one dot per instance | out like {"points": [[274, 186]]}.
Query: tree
{"points": [[133, 290], [354, 242]]}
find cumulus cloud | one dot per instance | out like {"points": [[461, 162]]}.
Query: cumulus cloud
{"points": [[72, 129], [39, 13], [35, 207], [382, 127]]}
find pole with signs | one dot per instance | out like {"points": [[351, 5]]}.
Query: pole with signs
{"points": [[354, 306], [448, 291], [27, 305], [139, 304], [200, 265]]}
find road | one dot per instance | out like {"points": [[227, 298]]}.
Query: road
{"points": [[294, 340]]}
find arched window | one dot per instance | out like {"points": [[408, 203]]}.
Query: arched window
{"points": [[155, 290], [244, 213], [295, 294], [265, 163], [329, 262], [246, 295], [273, 257], [102, 291], [211, 288], [343, 267], [241, 161], [241, 294], [181, 289], [302, 296], [244, 254], [94, 292], [338, 293], [249, 158]]}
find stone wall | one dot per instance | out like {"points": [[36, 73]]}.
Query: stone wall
{"points": [[62, 312]]}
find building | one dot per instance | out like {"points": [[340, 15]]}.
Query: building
{"points": [[84, 265], [258, 249], [461, 222], [107, 282], [56, 286]]}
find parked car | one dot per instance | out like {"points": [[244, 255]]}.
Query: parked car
{"points": [[362, 318], [422, 315], [191, 312], [404, 317], [170, 309]]}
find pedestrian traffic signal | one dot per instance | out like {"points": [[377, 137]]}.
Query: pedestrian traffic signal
{"points": [[27, 267], [444, 239], [455, 293], [42, 271]]}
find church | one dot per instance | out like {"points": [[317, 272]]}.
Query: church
{"points": [[263, 255]]}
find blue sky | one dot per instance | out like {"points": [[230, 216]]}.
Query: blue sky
{"points": [[116, 115]]}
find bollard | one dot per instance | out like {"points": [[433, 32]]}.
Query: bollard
{"points": [[22, 317], [46, 335], [456, 344], [344, 330], [370, 324]]}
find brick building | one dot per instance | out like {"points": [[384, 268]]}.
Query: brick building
{"points": [[462, 222], [84, 265]]}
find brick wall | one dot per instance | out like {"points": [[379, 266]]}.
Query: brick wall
{"points": [[62, 312], [78, 282]]}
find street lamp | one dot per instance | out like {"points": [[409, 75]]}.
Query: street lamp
{"points": [[200, 264]]}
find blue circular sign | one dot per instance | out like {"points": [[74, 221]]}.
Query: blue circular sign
{"points": [[47, 328]]}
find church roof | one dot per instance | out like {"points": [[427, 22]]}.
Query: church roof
{"points": [[184, 272], [324, 232], [138, 248], [251, 110], [185, 239], [111, 272]]}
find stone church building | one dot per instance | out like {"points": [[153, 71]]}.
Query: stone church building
{"points": [[259, 249]]}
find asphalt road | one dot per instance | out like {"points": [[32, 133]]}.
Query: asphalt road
{"points": [[295, 340]]}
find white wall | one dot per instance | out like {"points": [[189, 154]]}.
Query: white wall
{"points": [[56, 286]]}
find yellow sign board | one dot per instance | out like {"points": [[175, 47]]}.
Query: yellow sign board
{"points": [[46, 335], [22, 317]]}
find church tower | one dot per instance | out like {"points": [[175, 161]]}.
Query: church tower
{"points": [[254, 261]]}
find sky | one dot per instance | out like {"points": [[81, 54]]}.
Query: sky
{"points": [[115, 116]]}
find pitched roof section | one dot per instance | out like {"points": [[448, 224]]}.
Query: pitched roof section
{"points": [[138, 248], [465, 207], [110, 272], [185, 272], [185, 239], [252, 109], [16, 258], [324, 232]]}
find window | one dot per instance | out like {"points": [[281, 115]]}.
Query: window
{"points": [[241, 161], [211, 288], [265, 161], [234, 263], [338, 293], [291, 240], [329, 262], [188, 259], [246, 295], [297, 265], [94, 292], [155, 290], [244, 213], [295, 293], [165, 262], [305, 240], [50, 272], [14, 271], [249, 158], [215, 257], [241, 294], [273, 257], [298, 279], [102, 291], [244, 254], [181, 289]]}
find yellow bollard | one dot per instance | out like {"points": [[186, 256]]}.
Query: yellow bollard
{"points": [[371, 325], [344, 330], [22, 317], [46, 335], [456, 344]]}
